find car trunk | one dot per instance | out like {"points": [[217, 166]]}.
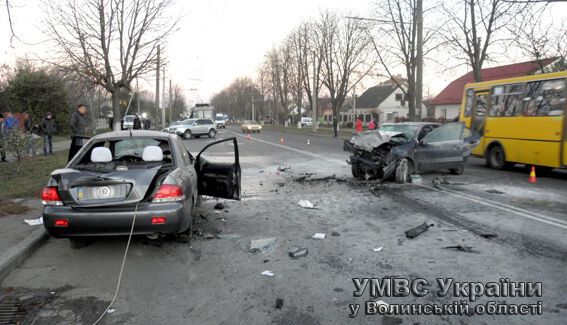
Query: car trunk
{"points": [[80, 188]]}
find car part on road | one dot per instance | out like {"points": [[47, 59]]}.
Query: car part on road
{"points": [[298, 252], [488, 236], [318, 236], [460, 248], [268, 273], [414, 232], [279, 303], [494, 192], [305, 204], [379, 249]]}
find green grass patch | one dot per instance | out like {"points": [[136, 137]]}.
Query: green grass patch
{"points": [[33, 175]]}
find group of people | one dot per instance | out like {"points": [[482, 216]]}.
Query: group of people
{"points": [[358, 127], [9, 123], [46, 128]]}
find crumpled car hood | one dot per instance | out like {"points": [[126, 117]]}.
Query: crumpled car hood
{"points": [[369, 140]]}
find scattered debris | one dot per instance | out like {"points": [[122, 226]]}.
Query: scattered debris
{"points": [[378, 249], [305, 178], [208, 235], [415, 179], [279, 303], [203, 217], [494, 192], [298, 252], [338, 290], [414, 232], [283, 169], [488, 236], [218, 211], [219, 206], [439, 181], [197, 254], [376, 190], [466, 249], [34, 222], [305, 204], [262, 244], [110, 310], [280, 184], [268, 273], [318, 236], [335, 234], [266, 260]]}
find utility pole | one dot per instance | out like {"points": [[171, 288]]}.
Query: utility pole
{"points": [[419, 54], [137, 96], [163, 104], [315, 124], [157, 89], [170, 102]]}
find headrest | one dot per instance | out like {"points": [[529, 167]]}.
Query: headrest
{"points": [[101, 154], [152, 153]]}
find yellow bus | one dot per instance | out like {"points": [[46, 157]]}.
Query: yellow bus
{"points": [[520, 120]]}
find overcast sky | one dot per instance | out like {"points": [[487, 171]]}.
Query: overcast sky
{"points": [[218, 40]]}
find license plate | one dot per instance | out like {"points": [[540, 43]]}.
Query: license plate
{"points": [[105, 192]]}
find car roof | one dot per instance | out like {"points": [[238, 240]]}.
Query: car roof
{"points": [[115, 135], [413, 123]]}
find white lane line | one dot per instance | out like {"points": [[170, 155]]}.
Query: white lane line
{"points": [[508, 208], [307, 153]]}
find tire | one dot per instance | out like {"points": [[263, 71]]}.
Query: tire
{"points": [[456, 171], [187, 134], [496, 158], [402, 171], [212, 133], [78, 243], [356, 172]]}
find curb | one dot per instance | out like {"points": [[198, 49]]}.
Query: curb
{"points": [[13, 257]]}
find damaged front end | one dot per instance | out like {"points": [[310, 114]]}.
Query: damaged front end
{"points": [[373, 156]]}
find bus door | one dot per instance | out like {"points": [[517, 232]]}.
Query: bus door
{"points": [[478, 118]]}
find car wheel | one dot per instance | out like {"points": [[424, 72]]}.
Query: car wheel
{"points": [[76, 243], [402, 171], [212, 133], [456, 171], [356, 172], [187, 134], [496, 158]]}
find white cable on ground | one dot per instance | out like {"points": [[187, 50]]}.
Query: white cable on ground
{"points": [[121, 268]]}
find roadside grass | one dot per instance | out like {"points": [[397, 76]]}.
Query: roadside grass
{"points": [[8, 208], [32, 177], [323, 131]]}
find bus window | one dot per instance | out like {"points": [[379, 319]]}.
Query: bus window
{"points": [[507, 100], [545, 98], [469, 102], [480, 106]]}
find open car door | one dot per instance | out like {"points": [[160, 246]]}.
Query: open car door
{"points": [[219, 179]]}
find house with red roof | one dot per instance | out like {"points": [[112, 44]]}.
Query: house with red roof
{"points": [[448, 102]]}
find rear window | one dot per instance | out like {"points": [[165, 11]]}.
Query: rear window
{"points": [[219, 118], [129, 118]]}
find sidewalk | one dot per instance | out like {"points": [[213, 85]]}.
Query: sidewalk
{"points": [[18, 239]]}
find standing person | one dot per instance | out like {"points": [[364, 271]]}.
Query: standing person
{"points": [[48, 129], [30, 129], [358, 127], [79, 127], [372, 125], [3, 136]]}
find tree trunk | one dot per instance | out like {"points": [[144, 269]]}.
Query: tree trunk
{"points": [[335, 123], [116, 110]]}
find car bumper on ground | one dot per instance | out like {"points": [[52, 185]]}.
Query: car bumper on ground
{"points": [[108, 221]]}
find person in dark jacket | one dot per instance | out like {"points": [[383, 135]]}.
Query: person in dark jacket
{"points": [[48, 129], [3, 136], [79, 128], [31, 130]]}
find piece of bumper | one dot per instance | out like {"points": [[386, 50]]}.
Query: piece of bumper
{"points": [[105, 222]]}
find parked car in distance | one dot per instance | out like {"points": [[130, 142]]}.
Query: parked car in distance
{"points": [[173, 126], [196, 128], [131, 122], [383, 154], [306, 121], [149, 174], [221, 122], [251, 126]]}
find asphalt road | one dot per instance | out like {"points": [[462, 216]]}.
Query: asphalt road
{"points": [[219, 281]]}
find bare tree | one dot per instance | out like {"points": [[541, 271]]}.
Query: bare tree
{"points": [[110, 42], [345, 57], [540, 38], [474, 27]]}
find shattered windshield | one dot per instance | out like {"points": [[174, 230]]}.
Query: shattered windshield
{"points": [[408, 130]]}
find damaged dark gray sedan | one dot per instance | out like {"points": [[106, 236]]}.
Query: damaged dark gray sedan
{"points": [[388, 153], [147, 174]]}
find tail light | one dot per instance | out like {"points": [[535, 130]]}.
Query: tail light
{"points": [[168, 193], [50, 196]]}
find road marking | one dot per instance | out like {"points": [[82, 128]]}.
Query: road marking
{"points": [[307, 153], [505, 207]]}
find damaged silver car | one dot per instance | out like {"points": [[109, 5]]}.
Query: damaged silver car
{"points": [[386, 153]]}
